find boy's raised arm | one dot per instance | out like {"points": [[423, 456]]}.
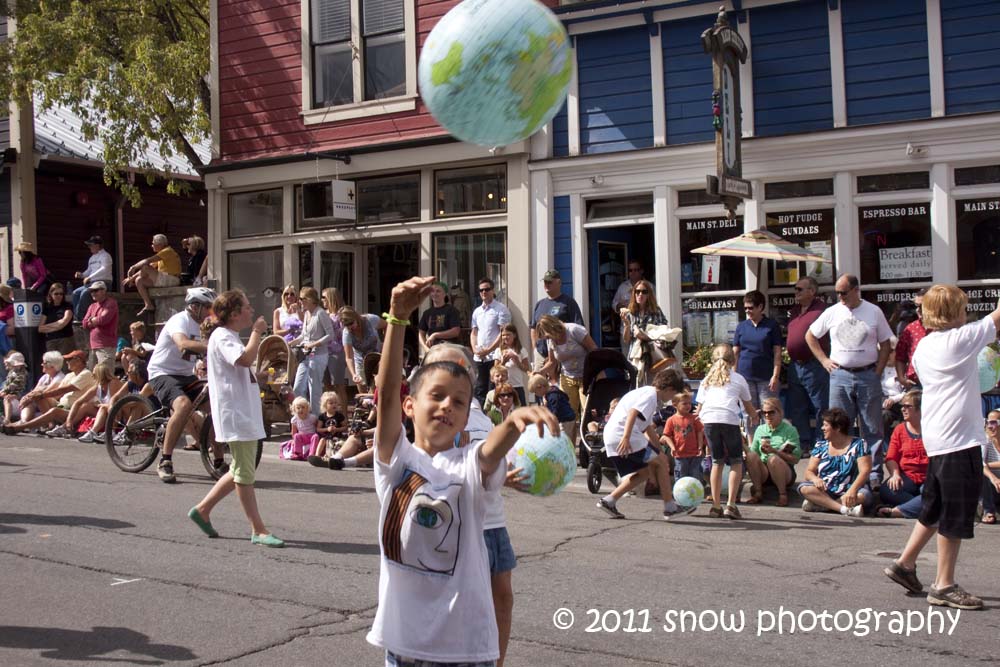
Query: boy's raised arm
{"points": [[503, 437], [406, 296]]}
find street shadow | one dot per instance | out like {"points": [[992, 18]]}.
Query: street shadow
{"points": [[63, 520], [13, 465], [303, 487], [753, 524], [93, 645], [355, 548]]}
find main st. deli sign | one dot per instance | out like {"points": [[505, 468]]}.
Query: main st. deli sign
{"points": [[728, 51]]}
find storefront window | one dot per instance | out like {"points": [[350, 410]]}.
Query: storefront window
{"points": [[389, 199], [982, 301], [978, 224], [710, 321], [620, 208], [698, 272], [471, 190], [460, 260], [820, 187], [813, 230], [889, 299], [895, 243], [259, 274], [781, 306], [255, 213]]}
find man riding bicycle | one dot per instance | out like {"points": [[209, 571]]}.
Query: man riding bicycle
{"points": [[171, 369]]}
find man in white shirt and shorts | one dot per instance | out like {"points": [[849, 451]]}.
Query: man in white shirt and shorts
{"points": [[171, 369], [952, 430]]}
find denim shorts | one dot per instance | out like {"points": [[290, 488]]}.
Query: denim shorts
{"points": [[393, 660], [502, 558]]}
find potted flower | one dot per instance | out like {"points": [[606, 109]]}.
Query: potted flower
{"points": [[697, 361]]}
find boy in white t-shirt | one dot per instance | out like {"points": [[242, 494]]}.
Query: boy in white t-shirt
{"points": [[632, 444], [945, 361], [236, 412], [434, 580]]}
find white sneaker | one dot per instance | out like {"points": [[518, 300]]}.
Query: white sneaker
{"points": [[809, 506], [88, 437], [856, 511], [59, 431]]}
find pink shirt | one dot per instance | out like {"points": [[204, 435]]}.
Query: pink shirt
{"points": [[102, 322], [34, 272]]}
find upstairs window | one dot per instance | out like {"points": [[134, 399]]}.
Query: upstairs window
{"points": [[361, 52]]}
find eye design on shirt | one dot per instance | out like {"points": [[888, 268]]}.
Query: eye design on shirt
{"points": [[427, 517]]}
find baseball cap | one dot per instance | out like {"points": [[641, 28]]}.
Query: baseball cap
{"points": [[94, 240], [75, 354], [551, 274], [97, 284]]}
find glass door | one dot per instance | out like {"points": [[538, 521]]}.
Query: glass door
{"points": [[336, 265]]}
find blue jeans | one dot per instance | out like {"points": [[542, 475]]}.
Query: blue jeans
{"points": [[759, 391], [81, 302], [688, 466], [906, 500], [807, 397], [990, 496], [393, 660], [860, 395], [309, 379]]}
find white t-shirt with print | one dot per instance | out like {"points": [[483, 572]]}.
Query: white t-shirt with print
{"points": [[642, 400], [951, 410], [854, 334], [723, 404], [434, 596], [233, 390], [166, 358], [478, 427], [571, 353]]}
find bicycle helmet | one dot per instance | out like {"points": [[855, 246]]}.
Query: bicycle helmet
{"points": [[202, 295]]}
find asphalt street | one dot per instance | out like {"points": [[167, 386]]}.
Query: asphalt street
{"points": [[98, 566]]}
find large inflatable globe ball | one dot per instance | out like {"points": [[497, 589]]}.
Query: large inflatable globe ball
{"points": [[548, 463], [688, 491], [988, 363], [493, 72]]}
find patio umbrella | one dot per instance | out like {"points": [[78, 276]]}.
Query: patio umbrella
{"points": [[761, 244]]}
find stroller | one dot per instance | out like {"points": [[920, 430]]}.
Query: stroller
{"points": [[275, 372], [606, 375]]}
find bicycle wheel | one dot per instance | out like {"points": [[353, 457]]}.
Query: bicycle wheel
{"points": [[131, 433], [212, 449]]}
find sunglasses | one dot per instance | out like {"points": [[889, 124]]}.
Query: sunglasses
{"points": [[992, 423], [845, 292], [483, 290], [642, 291], [768, 413], [907, 406], [505, 395]]}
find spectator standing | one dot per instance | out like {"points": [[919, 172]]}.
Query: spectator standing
{"points": [[101, 320], [98, 268], [336, 364], [487, 321], [560, 306], [757, 345], [907, 345], [440, 322], [569, 345], [286, 321], [315, 339], [808, 382], [623, 297], [163, 269], [35, 276], [859, 350], [57, 321]]}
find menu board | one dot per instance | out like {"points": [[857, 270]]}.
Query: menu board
{"points": [[711, 320]]}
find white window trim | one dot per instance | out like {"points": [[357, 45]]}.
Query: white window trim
{"points": [[360, 108]]}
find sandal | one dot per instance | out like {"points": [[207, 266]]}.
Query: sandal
{"points": [[989, 517], [732, 512], [715, 513], [191, 448], [782, 500], [884, 512]]}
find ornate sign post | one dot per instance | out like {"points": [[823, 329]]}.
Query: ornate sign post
{"points": [[728, 51]]}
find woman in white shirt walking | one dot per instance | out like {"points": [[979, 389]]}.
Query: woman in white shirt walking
{"points": [[236, 412]]}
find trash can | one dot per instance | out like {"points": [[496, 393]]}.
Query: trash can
{"points": [[27, 339]]}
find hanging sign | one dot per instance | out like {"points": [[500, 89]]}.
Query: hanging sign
{"points": [[344, 201]]}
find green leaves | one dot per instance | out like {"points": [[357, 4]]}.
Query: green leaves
{"points": [[135, 71]]}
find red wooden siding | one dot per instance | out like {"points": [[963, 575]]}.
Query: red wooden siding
{"points": [[65, 221], [261, 87]]}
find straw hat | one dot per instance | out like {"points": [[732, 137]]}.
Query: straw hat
{"points": [[24, 246], [7, 293]]}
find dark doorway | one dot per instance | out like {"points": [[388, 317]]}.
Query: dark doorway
{"points": [[609, 251]]}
